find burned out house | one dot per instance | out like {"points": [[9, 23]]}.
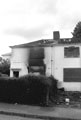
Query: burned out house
{"points": [[58, 57]]}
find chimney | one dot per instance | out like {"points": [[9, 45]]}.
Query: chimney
{"points": [[56, 35]]}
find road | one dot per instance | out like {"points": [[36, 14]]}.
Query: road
{"points": [[7, 117]]}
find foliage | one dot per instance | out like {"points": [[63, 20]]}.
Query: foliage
{"points": [[53, 89], [4, 66], [39, 88], [77, 32], [28, 89]]}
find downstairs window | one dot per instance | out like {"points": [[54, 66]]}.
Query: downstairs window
{"points": [[15, 73], [72, 74]]}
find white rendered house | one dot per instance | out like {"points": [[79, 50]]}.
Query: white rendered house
{"points": [[58, 57], [6, 56]]}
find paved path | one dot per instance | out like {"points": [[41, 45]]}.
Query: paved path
{"points": [[40, 112], [6, 117]]}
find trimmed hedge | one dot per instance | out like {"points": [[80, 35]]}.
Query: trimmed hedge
{"points": [[29, 89]]}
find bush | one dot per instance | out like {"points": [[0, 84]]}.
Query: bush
{"points": [[36, 87], [53, 89], [4, 67], [29, 89]]}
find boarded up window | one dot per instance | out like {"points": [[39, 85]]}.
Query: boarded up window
{"points": [[35, 69], [36, 53], [71, 52], [72, 74], [36, 62]]}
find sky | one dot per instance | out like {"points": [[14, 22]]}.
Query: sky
{"points": [[23, 21]]}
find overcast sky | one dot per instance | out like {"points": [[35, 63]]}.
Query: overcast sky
{"points": [[23, 21]]}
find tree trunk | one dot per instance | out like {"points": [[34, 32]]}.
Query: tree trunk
{"points": [[47, 96]]}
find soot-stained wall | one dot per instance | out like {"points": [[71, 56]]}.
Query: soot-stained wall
{"points": [[36, 60]]}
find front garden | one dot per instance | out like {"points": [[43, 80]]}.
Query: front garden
{"points": [[37, 90], [69, 99]]}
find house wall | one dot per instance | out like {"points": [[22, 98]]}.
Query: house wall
{"points": [[47, 60], [54, 61], [19, 61], [59, 63]]}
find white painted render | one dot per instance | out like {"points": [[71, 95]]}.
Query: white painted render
{"points": [[47, 60], [54, 60], [19, 61], [60, 62]]}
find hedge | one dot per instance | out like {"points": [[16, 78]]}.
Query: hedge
{"points": [[29, 89]]}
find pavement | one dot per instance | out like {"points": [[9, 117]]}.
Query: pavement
{"points": [[57, 113]]}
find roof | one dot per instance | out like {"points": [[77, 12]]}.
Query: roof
{"points": [[43, 42], [6, 54], [49, 42]]}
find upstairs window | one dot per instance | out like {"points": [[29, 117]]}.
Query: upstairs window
{"points": [[71, 52]]}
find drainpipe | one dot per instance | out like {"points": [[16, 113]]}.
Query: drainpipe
{"points": [[51, 60]]}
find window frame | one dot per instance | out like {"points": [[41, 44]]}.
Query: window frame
{"points": [[71, 74], [69, 52], [14, 74]]}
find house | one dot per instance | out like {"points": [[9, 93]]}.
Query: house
{"points": [[6, 56], [58, 57]]}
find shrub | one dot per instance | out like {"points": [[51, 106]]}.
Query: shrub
{"points": [[36, 88], [53, 89], [4, 67], [29, 89]]}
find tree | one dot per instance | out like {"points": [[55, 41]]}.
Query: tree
{"points": [[77, 30], [4, 66]]}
